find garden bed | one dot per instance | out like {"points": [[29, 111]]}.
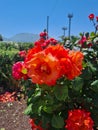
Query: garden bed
{"points": [[12, 116]]}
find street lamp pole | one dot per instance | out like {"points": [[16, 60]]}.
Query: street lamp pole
{"points": [[70, 17], [47, 26], [64, 29]]}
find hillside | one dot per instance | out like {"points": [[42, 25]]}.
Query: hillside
{"points": [[23, 37]]}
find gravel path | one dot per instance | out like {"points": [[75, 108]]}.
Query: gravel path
{"points": [[12, 116]]}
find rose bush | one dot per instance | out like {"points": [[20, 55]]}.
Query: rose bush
{"points": [[91, 17], [62, 84]]}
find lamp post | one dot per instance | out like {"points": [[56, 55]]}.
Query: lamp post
{"points": [[64, 29], [70, 17], [47, 26]]}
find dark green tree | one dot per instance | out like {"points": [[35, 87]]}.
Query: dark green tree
{"points": [[1, 38]]}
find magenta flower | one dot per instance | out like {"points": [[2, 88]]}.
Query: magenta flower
{"points": [[19, 71]]}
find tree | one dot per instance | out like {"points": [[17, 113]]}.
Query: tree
{"points": [[1, 38]]}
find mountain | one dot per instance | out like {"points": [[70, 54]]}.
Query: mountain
{"points": [[23, 37]]}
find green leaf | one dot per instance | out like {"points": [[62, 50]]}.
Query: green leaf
{"points": [[95, 85], [95, 116], [76, 88], [81, 34], [45, 121], [48, 109], [57, 121], [93, 69], [28, 110], [86, 74], [61, 92], [37, 107], [77, 84], [95, 100], [37, 92], [4, 75], [92, 34]]}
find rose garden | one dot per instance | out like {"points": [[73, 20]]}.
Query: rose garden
{"points": [[58, 80]]}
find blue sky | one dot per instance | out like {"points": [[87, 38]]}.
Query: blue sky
{"points": [[18, 16]]}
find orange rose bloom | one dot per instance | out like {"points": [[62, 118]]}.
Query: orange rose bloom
{"points": [[76, 58], [70, 61], [43, 69], [62, 55], [79, 120], [48, 65]]}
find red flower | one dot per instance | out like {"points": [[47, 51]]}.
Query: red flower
{"points": [[22, 53], [52, 41], [34, 126], [97, 18], [90, 44], [43, 34], [91, 16], [39, 42], [31, 52], [19, 71], [43, 43], [83, 41], [79, 120], [57, 51]]}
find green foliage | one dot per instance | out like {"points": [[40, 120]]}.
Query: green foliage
{"points": [[94, 85], [61, 92], [57, 121], [1, 38], [8, 56]]}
